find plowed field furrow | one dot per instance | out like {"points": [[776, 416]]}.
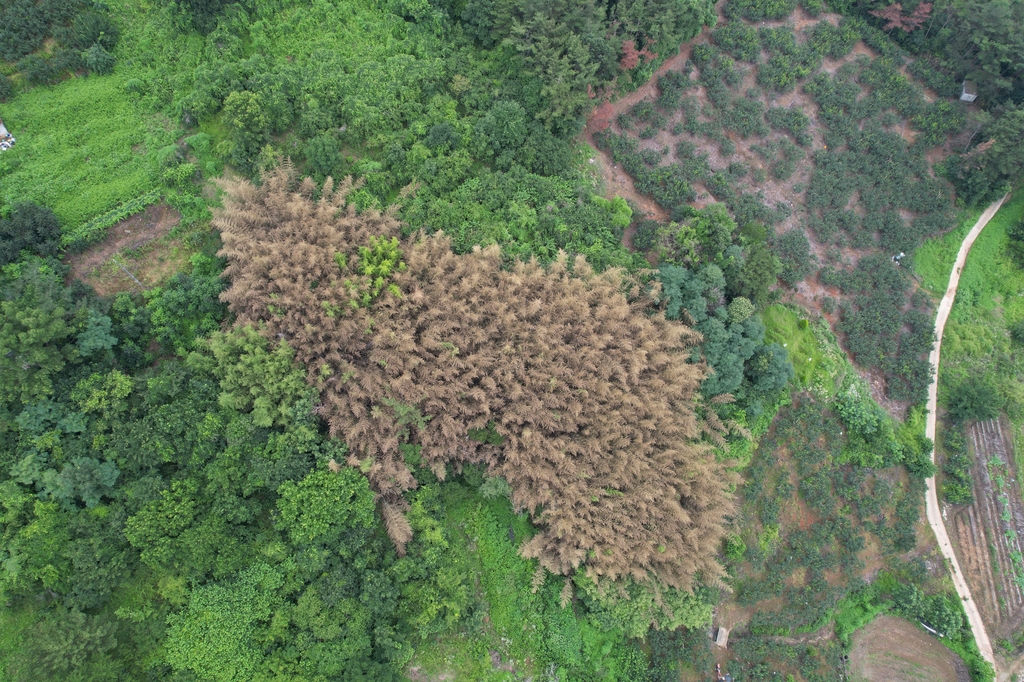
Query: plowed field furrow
{"points": [[990, 514], [971, 534], [1015, 546], [984, 538], [1012, 577], [990, 445]]}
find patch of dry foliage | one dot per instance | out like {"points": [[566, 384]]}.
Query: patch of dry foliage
{"points": [[594, 398]]}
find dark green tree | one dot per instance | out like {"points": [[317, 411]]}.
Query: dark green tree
{"points": [[31, 228], [974, 400], [38, 323], [246, 116], [794, 253], [68, 644], [758, 273], [663, 23]]}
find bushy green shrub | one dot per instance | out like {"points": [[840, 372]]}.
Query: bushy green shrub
{"points": [[972, 400], [833, 41], [790, 155], [957, 484], [934, 76], [1017, 332], [939, 119], [98, 60], [813, 7], [792, 121], [31, 228], [891, 88], [23, 27], [779, 40], [746, 117], [672, 85], [794, 252], [874, 325], [703, 54], [646, 234], [6, 88], [759, 10], [92, 28], [644, 111], [188, 307], [782, 71], [738, 170], [689, 646], [634, 607], [738, 40]]}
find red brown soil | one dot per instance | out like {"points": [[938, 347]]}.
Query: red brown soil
{"points": [[809, 294], [617, 182], [889, 648], [98, 265]]}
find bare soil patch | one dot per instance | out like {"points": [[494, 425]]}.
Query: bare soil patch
{"points": [[139, 245], [615, 180], [891, 648]]}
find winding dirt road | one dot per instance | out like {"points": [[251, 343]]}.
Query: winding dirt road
{"points": [[934, 511]]}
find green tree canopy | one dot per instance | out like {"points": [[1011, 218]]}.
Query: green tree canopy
{"points": [[253, 378], [324, 507], [39, 324]]}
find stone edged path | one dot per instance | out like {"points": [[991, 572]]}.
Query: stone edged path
{"points": [[934, 511]]}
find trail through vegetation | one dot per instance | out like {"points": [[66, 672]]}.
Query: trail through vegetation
{"points": [[934, 513]]}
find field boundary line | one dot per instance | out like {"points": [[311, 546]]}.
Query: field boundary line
{"points": [[932, 498]]}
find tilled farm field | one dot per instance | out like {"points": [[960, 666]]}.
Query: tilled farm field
{"points": [[987, 532]]}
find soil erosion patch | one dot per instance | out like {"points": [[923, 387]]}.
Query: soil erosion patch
{"points": [[128, 245], [891, 648]]}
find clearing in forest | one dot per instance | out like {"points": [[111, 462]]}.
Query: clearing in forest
{"points": [[890, 648], [136, 254]]}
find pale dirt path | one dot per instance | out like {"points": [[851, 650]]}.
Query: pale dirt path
{"points": [[934, 512]]}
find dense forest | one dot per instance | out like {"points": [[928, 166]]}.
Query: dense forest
{"points": [[414, 393]]}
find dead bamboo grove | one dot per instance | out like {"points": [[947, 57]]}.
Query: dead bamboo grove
{"points": [[585, 395]]}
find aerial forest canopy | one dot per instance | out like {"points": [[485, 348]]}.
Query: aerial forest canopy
{"points": [[611, 329], [570, 390]]}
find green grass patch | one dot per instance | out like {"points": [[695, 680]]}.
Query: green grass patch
{"points": [[794, 333], [464, 656], [820, 365], [13, 623], [933, 260], [990, 278], [990, 298], [976, 344], [527, 628], [856, 610], [83, 148]]}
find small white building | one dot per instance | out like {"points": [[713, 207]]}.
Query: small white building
{"points": [[722, 638], [968, 92]]}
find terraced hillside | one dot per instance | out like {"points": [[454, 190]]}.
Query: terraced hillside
{"points": [[812, 134]]}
